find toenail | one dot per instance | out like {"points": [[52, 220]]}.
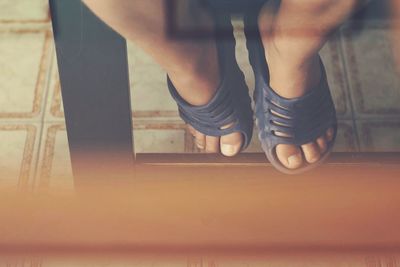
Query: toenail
{"points": [[294, 160], [228, 150], [314, 159]]}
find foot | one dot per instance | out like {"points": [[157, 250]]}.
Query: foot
{"points": [[294, 68], [197, 85], [291, 81]]}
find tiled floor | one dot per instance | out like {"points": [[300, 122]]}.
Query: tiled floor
{"points": [[33, 142]]}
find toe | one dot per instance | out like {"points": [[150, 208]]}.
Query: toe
{"points": [[311, 152], [231, 144], [289, 155], [212, 144], [200, 140], [322, 144], [329, 134], [191, 130]]}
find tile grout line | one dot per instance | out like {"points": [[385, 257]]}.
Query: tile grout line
{"points": [[48, 82], [344, 63], [42, 121]]}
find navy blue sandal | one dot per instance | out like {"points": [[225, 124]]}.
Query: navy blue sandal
{"points": [[303, 119], [231, 105]]}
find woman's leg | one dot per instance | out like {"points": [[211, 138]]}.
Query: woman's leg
{"points": [[292, 39], [191, 65]]}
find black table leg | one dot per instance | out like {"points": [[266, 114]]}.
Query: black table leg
{"points": [[93, 68]]}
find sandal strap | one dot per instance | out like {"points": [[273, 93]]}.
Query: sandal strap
{"points": [[303, 119]]}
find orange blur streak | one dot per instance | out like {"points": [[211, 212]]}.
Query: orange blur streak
{"points": [[186, 207]]}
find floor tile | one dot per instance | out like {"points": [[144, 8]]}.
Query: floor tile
{"points": [[255, 145], [379, 135], [27, 11], [346, 140], [149, 93], [374, 85], [18, 154], [161, 137], [54, 106], [334, 64], [24, 64], [54, 168]]}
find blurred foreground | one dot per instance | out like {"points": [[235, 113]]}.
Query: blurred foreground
{"points": [[215, 213]]}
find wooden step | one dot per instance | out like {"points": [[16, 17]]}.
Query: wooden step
{"points": [[175, 203]]}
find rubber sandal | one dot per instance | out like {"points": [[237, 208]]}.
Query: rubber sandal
{"points": [[304, 119], [231, 105]]}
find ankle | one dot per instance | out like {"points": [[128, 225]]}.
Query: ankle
{"points": [[292, 75], [198, 78]]}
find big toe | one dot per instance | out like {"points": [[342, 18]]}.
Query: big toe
{"points": [[289, 155], [311, 152], [231, 144]]}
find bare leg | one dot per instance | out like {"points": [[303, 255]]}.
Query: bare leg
{"points": [[191, 65], [293, 38]]}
